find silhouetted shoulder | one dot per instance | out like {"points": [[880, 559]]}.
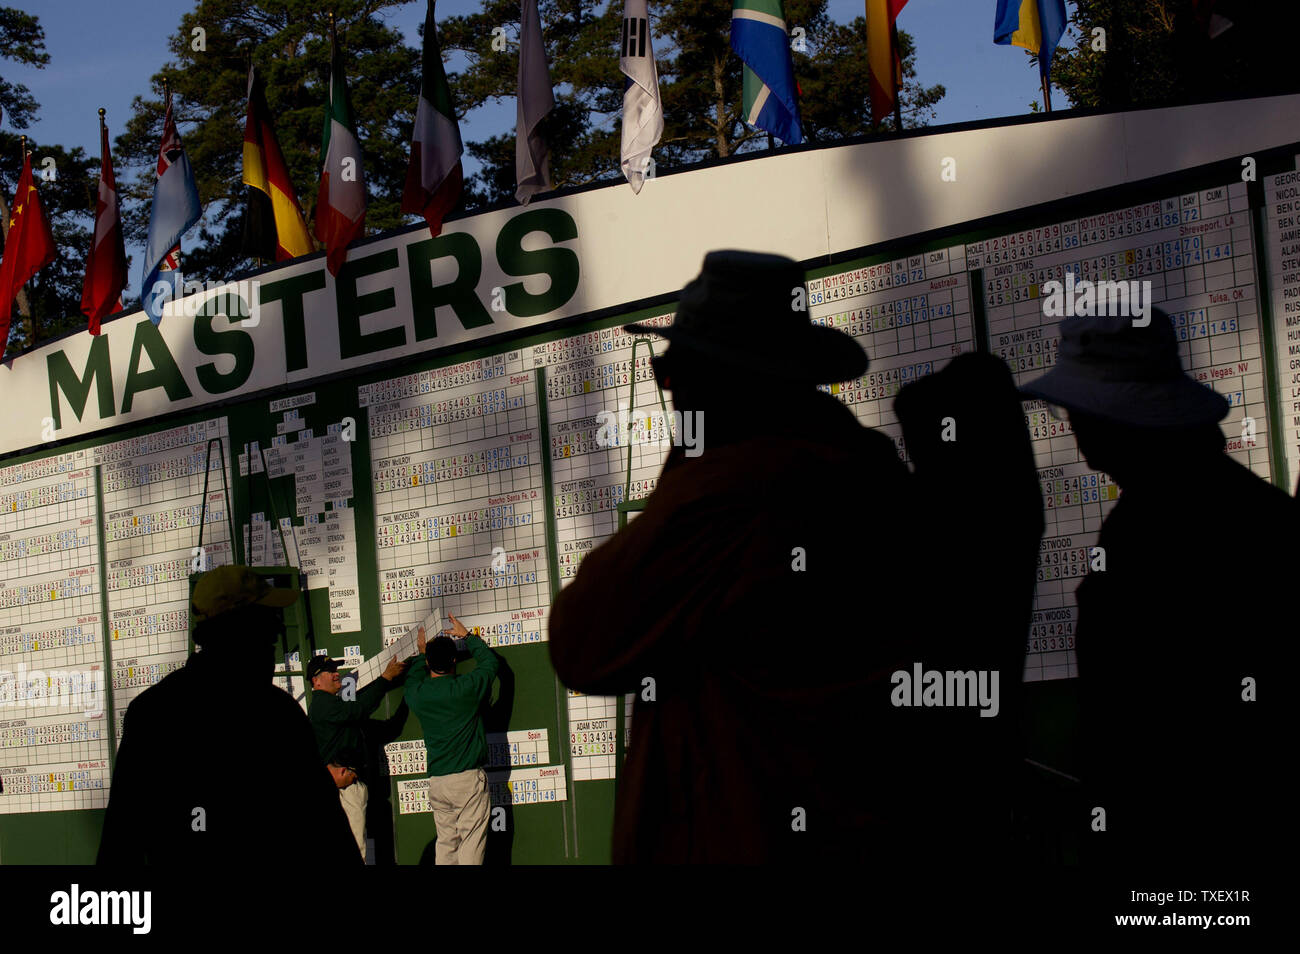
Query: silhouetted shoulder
{"points": [[283, 705], [158, 700]]}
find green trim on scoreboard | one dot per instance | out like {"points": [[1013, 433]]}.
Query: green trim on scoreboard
{"points": [[579, 831]]}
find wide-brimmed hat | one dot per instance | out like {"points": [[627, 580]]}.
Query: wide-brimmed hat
{"points": [[741, 310], [1110, 368]]}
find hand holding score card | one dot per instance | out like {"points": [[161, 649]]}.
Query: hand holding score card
{"points": [[400, 650]]}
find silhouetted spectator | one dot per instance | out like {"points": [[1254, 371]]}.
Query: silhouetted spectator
{"points": [[756, 599], [1196, 601], [979, 512], [217, 764]]}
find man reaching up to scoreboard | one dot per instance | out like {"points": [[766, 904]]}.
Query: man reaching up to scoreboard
{"points": [[448, 706], [339, 723]]}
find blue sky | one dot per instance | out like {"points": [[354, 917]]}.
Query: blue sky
{"points": [[103, 54]]}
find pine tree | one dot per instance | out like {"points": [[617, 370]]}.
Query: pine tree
{"points": [[1160, 53], [289, 43], [54, 296]]}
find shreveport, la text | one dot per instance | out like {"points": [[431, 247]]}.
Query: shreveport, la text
{"points": [[931, 687], [102, 907]]}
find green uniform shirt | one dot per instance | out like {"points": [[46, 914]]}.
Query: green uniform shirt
{"points": [[338, 723], [448, 710]]}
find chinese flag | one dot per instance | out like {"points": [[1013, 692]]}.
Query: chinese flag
{"points": [[29, 248]]}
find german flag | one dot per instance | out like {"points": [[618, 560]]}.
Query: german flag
{"points": [[273, 223]]}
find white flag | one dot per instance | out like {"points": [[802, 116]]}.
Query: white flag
{"points": [[532, 159], [643, 113]]}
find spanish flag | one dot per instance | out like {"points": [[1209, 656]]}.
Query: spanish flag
{"points": [[884, 68], [28, 249], [273, 223], [1036, 25]]}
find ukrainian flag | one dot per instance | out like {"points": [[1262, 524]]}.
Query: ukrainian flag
{"points": [[1036, 25]]}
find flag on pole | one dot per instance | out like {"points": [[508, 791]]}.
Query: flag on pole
{"points": [[1036, 25], [29, 247], [884, 67], [758, 36], [536, 99], [175, 208], [106, 265], [172, 260], [643, 112], [434, 177], [341, 200], [273, 223]]}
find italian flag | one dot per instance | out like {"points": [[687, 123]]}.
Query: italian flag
{"points": [[434, 177], [341, 201]]}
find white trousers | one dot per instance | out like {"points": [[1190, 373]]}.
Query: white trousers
{"points": [[460, 811], [354, 799]]}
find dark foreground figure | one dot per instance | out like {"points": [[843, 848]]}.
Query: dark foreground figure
{"points": [[756, 599], [217, 765], [1186, 638], [977, 516]]}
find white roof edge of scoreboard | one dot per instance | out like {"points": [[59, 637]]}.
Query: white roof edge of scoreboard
{"points": [[847, 197], [805, 203]]}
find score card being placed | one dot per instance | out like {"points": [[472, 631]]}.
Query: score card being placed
{"points": [[403, 648]]}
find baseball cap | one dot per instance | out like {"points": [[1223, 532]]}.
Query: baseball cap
{"points": [[320, 664], [227, 588]]}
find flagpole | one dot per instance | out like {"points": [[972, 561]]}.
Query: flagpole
{"points": [[94, 193], [898, 86], [24, 306], [21, 297], [1047, 94], [167, 102]]}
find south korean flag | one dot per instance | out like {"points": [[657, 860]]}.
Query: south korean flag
{"points": [[643, 113]]}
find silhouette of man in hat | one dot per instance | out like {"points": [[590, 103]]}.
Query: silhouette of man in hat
{"points": [[753, 605], [1178, 639], [217, 764], [964, 427]]}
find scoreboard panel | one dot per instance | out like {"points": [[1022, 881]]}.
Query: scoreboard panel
{"points": [[1196, 251], [483, 480], [54, 735], [153, 504], [911, 315], [599, 381], [1282, 238]]}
